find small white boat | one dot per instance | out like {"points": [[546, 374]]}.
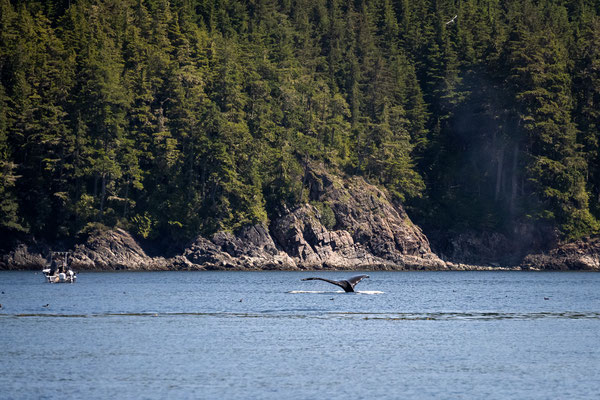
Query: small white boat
{"points": [[61, 277], [56, 273]]}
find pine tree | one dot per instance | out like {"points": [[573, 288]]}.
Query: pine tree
{"points": [[9, 207], [171, 118], [554, 164], [587, 90], [102, 104]]}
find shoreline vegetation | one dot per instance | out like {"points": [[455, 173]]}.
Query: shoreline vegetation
{"points": [[300, 134], [365, 231]]}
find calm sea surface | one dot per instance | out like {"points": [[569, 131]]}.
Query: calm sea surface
{"points": [[268, 335]]}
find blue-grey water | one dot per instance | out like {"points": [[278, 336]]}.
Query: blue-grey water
{"points": [[268, 335]]}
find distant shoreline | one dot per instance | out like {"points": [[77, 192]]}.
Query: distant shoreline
{"points": [[117, 250]]}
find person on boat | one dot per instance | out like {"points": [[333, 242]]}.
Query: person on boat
{"points": [[53, 267]]}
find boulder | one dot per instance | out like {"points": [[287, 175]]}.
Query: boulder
{"points": [[25, 256], [113, 250]]}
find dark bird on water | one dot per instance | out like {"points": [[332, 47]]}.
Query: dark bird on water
{"points": [[347, 285], [46, 305]]}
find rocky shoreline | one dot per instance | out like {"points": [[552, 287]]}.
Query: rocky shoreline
{"points": [[117, 250], [348, 225]]}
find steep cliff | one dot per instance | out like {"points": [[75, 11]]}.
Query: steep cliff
{"points": [[349, 224]]}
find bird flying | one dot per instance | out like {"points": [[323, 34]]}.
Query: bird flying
{"points": [[452, 20]]}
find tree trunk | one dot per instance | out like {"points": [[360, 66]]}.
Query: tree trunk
{"points": [[125, 208], [499, 168], [102, 194], [514, 181]]}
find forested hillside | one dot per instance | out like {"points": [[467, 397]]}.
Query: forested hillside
{"points": [[174, 118]]}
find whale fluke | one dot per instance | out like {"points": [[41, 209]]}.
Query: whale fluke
{"points": [[347, 285]]}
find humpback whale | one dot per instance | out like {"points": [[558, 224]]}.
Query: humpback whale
{"points": [[347, 285]]}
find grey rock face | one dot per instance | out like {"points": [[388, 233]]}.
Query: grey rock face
{"points": [[113, 250], [494, 248], [381, 231], [369, 232], [251, 248], [24, 256], [580, 255], [302, 236]]}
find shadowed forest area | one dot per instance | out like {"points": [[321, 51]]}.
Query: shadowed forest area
{"points": [[175, 118]]}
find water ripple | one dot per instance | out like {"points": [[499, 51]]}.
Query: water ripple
{"points": [[318, 314]]}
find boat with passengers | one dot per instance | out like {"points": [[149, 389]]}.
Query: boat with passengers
{"points": [[59, 270]]}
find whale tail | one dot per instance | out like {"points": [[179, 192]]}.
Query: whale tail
{"points": [[346, 284]]}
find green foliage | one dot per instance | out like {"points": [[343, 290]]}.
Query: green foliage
{"points": [[185, 117], [90, 228], [143, 225], [325, 214]]}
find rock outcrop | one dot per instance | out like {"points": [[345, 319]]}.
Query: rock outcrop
{"points": [[579, 255], [113, 250], [24, 256], [494, 248], [251, 248], [379, 229], [349, 224], [303, 237], [366, 231]]}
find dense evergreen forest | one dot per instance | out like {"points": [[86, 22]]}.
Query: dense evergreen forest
{"points": [[174, 118]]}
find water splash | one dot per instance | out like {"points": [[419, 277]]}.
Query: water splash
{"points": [[335, 292]]}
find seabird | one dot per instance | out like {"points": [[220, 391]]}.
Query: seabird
{"points": [[347, 285], [452, 20]]}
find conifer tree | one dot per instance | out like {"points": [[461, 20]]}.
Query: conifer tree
{"points": [[587, 90], [554, 165], [171, 118], [9, 207]]}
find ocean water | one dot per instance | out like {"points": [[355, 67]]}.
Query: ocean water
{"points": [[269, 335]]}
